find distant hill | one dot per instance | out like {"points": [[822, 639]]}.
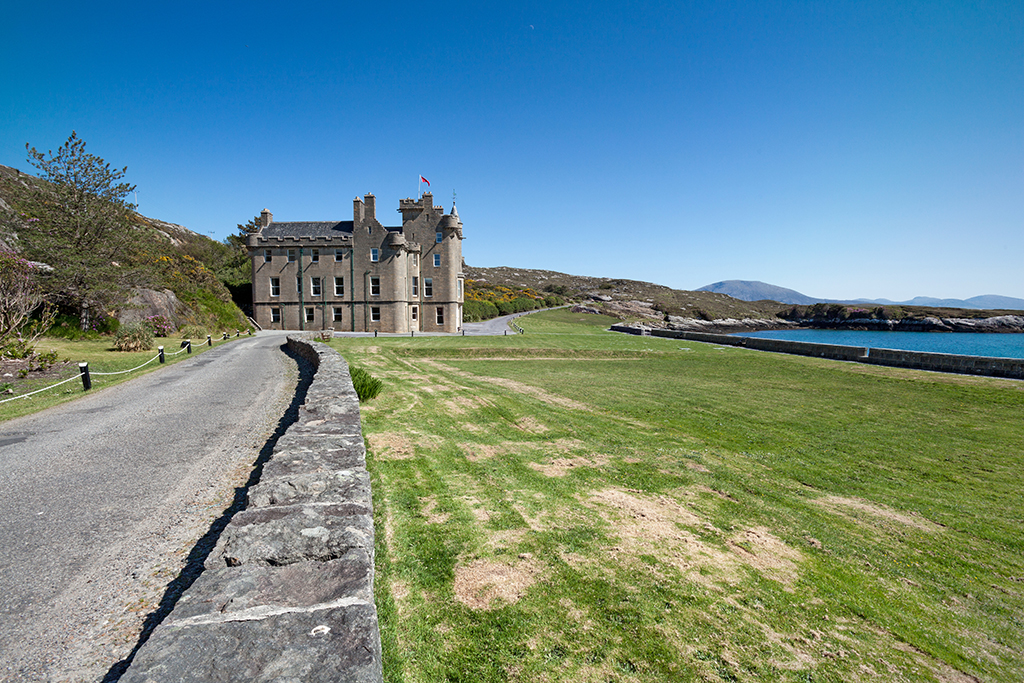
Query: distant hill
{"points": [[752, 290]]}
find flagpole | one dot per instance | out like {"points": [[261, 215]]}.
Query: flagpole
{"points": [[419, 185]]}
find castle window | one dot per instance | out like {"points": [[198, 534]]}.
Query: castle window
{"points": [[440, 315], [428, 286], [375, 314], [314, 255], [375, 255], [275, 286], [298, 284], [314, 288], [374, 286], [339, 254], [291, 255], [415, 313], [268, 255], [275, 315], [310, 314], [337, 314], [415, 286], [439, 238], [437, 260], [339, 286], [460, 288]]}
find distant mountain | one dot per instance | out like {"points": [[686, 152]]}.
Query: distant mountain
{"points": [[752, 290]]}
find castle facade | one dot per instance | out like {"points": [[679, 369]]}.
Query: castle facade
{"points": [[359, 275]]}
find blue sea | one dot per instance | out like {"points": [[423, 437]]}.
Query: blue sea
{"points": [[961, 343]]}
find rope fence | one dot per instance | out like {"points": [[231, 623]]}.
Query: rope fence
{"points": [[86, 376]]}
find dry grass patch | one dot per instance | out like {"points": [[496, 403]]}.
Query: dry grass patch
{"points": [[518, 387], [429, 507], [531, 425], [475, 452], [487, 584], [559, 467], [391, 446], [838, 503], [760, 549]]}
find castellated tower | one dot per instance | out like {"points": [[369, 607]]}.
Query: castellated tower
{"points": [[360, 275]]}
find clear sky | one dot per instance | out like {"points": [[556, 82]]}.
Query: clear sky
{"points": [[842, 149]]}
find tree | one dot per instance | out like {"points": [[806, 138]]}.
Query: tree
{"points": [[20, 296], [82, 227]]}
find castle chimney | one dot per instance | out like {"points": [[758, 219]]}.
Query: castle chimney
{"points": [[357, 210], [266, 218], [371, 210]]}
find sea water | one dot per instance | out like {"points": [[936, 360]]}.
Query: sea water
{"points": [[994, 345]]}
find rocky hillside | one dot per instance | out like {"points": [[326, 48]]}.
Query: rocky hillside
{"points": [[168, 264]]}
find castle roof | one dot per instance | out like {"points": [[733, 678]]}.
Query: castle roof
{"points": [[308, 229]]}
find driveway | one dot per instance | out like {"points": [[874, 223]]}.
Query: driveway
{"points": [[105, 497]]}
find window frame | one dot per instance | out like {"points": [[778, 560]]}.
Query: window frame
{"points": [[275, 286], [339, 255], [374, 314], [440, 315], [268, 255], [339, 285], [336, 314], [292, 255], [428, 287], [298, 284], [437, 260], [374, 255], [316, 286], [314, 256], [275, 314], [439, 238], [374, 286], [415, 313], [415, 285], [310, 314]]}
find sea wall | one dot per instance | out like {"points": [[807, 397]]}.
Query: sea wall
{"points": [[938, 362], [287, 593]]}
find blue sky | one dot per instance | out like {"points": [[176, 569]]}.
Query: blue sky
{"points": [[843, 149]]}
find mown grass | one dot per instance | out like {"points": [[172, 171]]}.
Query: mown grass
{"points": [[576, 505], [101, 357]]}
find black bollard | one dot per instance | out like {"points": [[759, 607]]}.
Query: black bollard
{"points": [[209, 340], [188, 346], [83, 368], [161, 350], [375, 333]]}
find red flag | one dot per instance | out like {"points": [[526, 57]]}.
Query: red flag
{"points": [[425, 180]]}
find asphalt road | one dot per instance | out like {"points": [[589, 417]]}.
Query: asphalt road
{"points": [[102, 498]]}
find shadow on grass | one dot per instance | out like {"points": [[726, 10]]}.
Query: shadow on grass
{"points": [[202, 549]]}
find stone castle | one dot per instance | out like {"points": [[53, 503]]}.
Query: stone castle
{"points": [[358, 275]]}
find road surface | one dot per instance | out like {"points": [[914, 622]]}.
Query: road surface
{"points": [[104, 498]]}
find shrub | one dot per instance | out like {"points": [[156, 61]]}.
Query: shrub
{"points": [[553, 300], [134, 337], [192, 332], [366, 385], [161, 326], [474, 311]]}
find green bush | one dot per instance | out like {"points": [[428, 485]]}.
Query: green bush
{"points": [[553, 300], [134, 337], [474, 311], [194, 332], [366, 385]]}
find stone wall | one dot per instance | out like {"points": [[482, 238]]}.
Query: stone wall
{"points": [[287, 593], [937, 362]]}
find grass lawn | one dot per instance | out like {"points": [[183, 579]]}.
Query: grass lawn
{"points": [[101, 357], [577, 505]]}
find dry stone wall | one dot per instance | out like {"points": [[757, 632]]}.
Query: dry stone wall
{"points": [[287, 593]]}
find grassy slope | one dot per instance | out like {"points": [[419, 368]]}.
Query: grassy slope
{"points": [[644, 509]]}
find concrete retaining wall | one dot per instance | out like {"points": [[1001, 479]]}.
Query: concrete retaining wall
{"points": [[287, 594], [937, 362]]}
